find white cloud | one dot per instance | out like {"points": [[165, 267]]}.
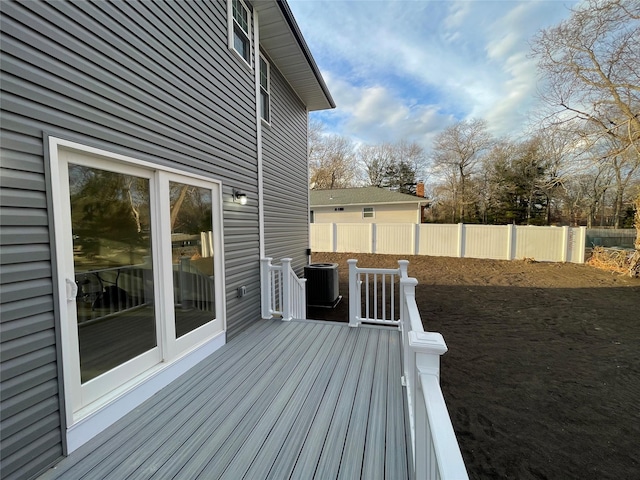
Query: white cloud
{"points": [[408, 69], [374, 113]]}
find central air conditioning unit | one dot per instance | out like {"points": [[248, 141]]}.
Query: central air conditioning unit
{"points": [[322, 286]]}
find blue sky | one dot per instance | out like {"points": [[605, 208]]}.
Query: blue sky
{"points": [[402, 69]]}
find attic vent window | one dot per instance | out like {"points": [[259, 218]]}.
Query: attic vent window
{"points": [[367, 212], [239, 27], [339, 209]]}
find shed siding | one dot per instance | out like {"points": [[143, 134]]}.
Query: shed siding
{"points": [[383, 213], [153, 81], [286, 184]]}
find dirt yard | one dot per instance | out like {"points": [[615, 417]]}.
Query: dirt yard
{"points": [[542, 376]]}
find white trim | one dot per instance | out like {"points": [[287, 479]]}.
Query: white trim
{"points": [[373, 203], [70, 357], [112, 156], [92, 399], [151, 383]]}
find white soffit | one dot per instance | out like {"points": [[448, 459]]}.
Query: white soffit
{"points": [[281, 38]]}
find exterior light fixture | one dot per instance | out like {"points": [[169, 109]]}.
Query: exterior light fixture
{"points": [[239, 197]]}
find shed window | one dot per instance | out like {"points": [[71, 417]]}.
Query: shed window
{"points": [[239, 27], [265, 90], [367, 212]]}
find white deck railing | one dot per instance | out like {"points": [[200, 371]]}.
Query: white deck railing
{"points": [[380, 285], [283, 293], [435, 450]]}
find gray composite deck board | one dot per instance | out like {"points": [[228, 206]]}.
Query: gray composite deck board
{"points": [[282, 400]]}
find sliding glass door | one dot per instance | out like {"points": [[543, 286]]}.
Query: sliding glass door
{"points": [[141, 260]]}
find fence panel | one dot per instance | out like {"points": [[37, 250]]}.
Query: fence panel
{"points": [[576, 244], [543, 244], [500, 242], [395, 238], [354, 237], [487, 241], [438, 240], [321, 237]]}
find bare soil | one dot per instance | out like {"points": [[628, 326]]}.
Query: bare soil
{"points": [[542, 376]]}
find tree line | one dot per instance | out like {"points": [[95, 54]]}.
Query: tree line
{"points": [[580, 164]]}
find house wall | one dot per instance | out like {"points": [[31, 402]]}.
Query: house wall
{"points": [[394, 213], [171, 94], [286, 192]]}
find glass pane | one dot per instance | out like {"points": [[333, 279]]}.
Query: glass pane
{"points": [[264, 77], [110, 217], [264, 105], [192, 256], [241, 15], [241, 44]]}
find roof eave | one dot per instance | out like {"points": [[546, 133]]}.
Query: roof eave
{"points": [[281, 38], [404, 202]]}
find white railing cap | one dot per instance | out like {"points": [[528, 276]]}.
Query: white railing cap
{"points": [[427, 342], [408, 281]]}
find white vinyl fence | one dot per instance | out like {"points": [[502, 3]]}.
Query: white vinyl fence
{"points": [[500, 242]]}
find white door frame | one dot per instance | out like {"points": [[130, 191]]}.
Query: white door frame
{"points": [[84, 403]]}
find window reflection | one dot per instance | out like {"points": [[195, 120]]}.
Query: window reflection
{"points": [[111, 225], [192, 256]]}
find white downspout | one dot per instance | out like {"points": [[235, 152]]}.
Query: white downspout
{"points": [[256, 63], [306, 139]]}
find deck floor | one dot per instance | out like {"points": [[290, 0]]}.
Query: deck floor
{"points": [[283, 400]]}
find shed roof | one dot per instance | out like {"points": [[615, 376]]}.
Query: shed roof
{"points": [[360, 196], [282, 40]]}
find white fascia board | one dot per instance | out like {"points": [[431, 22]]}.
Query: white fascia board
{"points": [[367, 204]]}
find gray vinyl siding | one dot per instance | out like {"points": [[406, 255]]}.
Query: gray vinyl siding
{"points": [[154, 81], [286, 184]]}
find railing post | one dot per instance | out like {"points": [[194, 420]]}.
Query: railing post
{"points": [[407, 289], [286, 289], [265, 286], [426, 349], [354, 294], [403, 266]]}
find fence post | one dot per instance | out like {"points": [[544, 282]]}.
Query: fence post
{"points": [[510, 233], [582, 244], [265, 287], [354, 294], [416, 240], [460, 251], [334, 237], [286, 289], [565, 244], [373, 232]]}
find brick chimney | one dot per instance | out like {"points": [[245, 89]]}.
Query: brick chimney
{"points": [[420, 189]]}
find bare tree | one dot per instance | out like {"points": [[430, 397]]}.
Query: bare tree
{"points": [[393, 165], [591, 65], [456, 152], [376, 161], [332, 162]]}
